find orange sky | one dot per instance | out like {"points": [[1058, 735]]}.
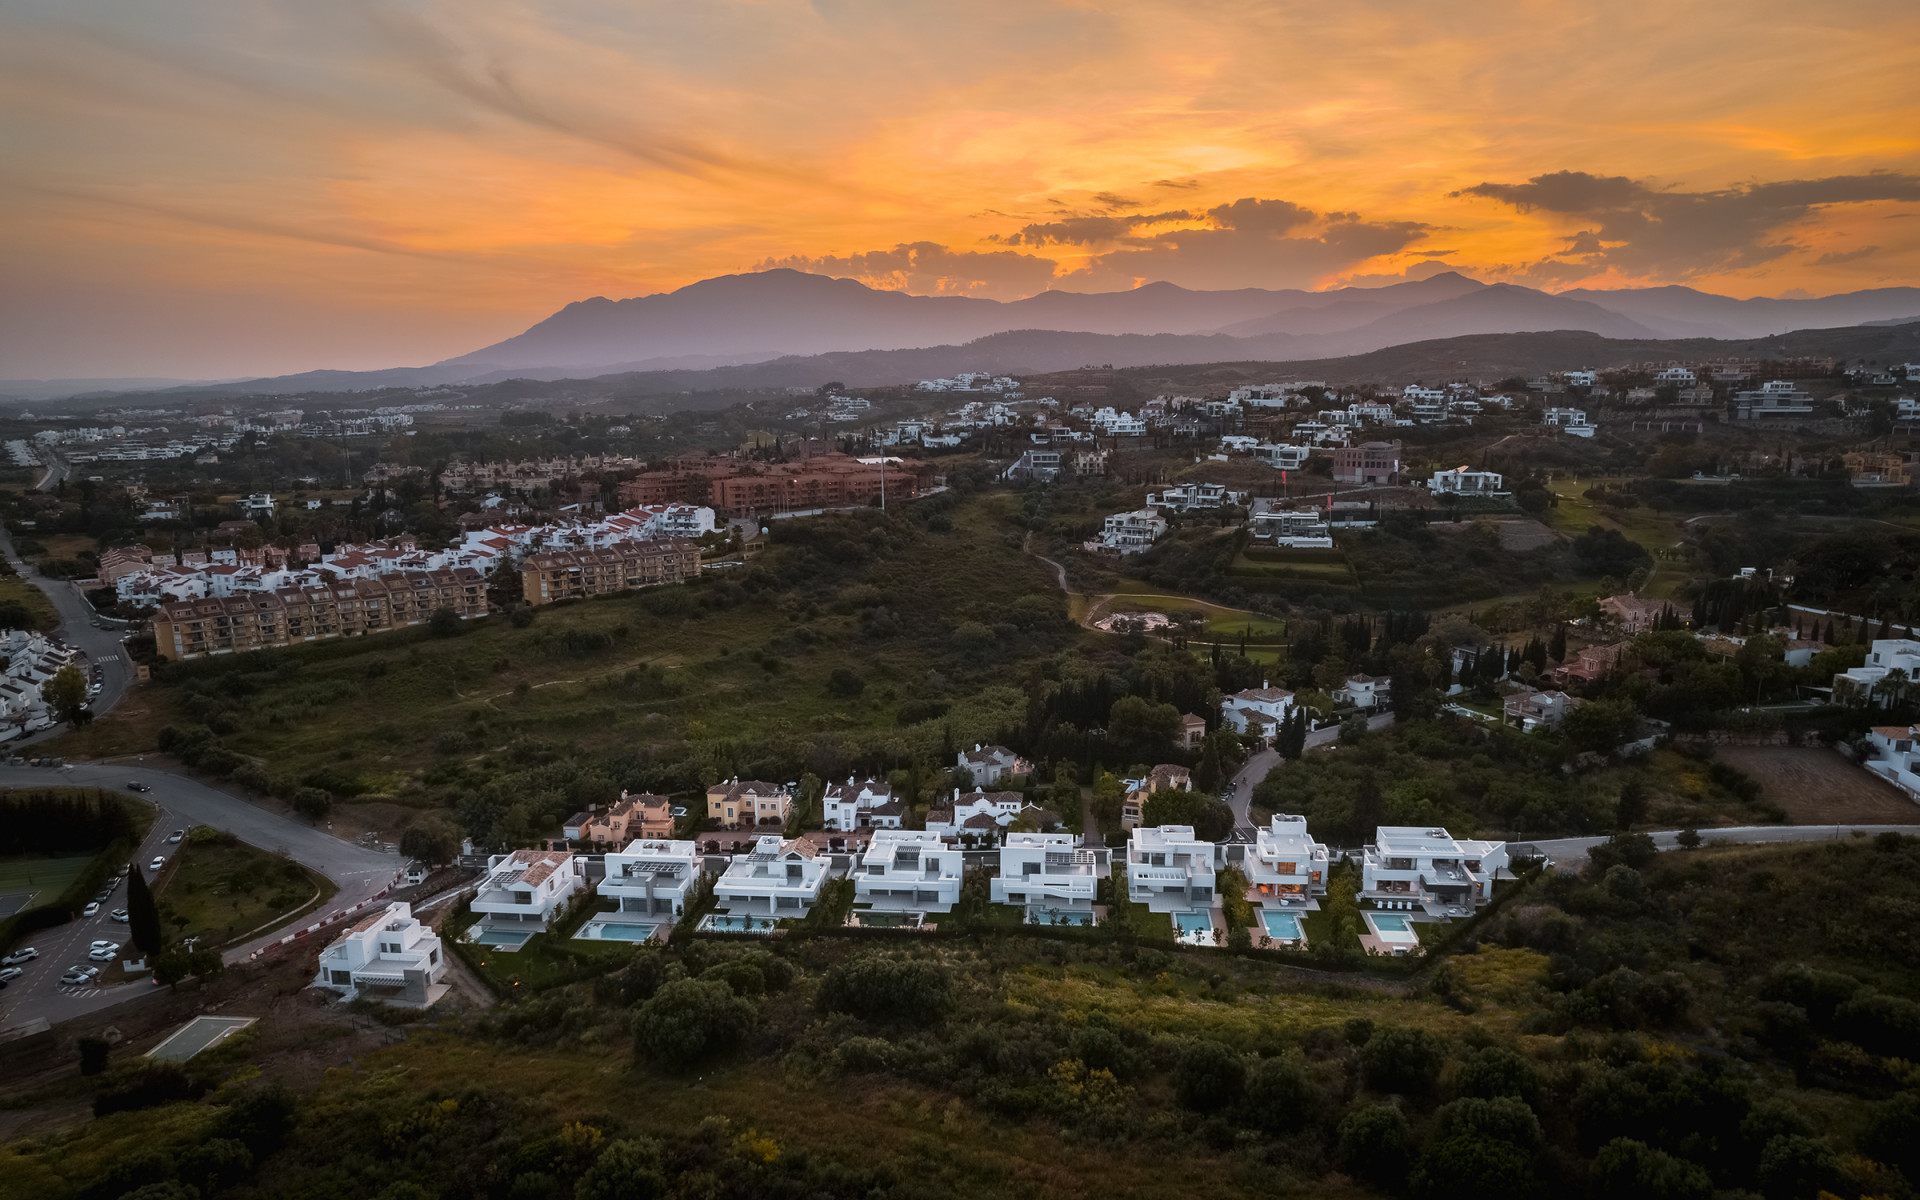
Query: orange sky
{"points": [[212, 189]]}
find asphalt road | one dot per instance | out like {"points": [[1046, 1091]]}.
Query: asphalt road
{"points": [[1571, 852], [80, 628], [1255, 769], [355, 870]]}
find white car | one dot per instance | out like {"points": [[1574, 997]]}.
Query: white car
{"points": [[100, 955], [176, 835], [104, 944], [77, 976], [9, 974], [24, 954], [93, 906], [158, 862], [121, 915]]}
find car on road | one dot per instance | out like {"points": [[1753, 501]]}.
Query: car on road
{"points": [[91, 908], [176, 835], [80, 976], [158, 862], [121, 915], [9, 974], [137, 786], [24, 954]]}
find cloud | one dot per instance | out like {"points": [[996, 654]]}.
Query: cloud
{"points": [[1834, 258], [1262, 216], [1644, 231], [1088, 231], [1114, 201], [931, 269], [1187, 184], [1253, 242]]}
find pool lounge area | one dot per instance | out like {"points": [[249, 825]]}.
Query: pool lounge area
{"points": [[1283, 926], [730, 923], [1053, 916], [610, 928]]}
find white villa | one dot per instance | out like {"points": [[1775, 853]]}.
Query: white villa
{"points": [[777, 878], [1363, 691], [389, 956], [523, 890], [1256, 712], [1295, 528], [1287, 867], [868, 803], [908, 870], [1050, 875], [1571, 421], [1170, 870], [990, 764], [1129, 532], [652, 877], [1428, 871], [977, 818], [1282, 457], [1884, 657], [1188, 496], [1464, 481], [1899, 756]]}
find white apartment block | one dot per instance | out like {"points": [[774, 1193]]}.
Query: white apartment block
{"points": [[652, 877], [777, 878], [1051, 876], [1287, 867], [1282, 456], [1464, 481], [389, 956], [1169, 869], [1428, 871], [1297, 528], [524, 890], [908, 870]]}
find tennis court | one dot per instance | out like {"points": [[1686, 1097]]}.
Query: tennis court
{"points": [[25, 880], [197, 1035]]}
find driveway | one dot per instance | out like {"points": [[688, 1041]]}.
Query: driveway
{"points": [[1572, 852], [355, 870], [1255, 769]]}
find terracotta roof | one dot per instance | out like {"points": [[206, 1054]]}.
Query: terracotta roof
{"points": [[539, 864]]}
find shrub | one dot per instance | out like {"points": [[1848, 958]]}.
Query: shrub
{"points": [[1892, 1134], [444, 623], [879, 987], [147, 1085], [845, 684], [1209, 1076], [628, 1169], [1280, 1096], [1884, 1025], [1496, 1071], [1792, 1167], [1372, 1144], [689, 1020], [1101, 1049], [863, 1054], [312, 803], [1624, 1167], [1401, 1060]]}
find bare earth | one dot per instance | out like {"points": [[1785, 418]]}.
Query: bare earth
{"points": [[1819, 787]]}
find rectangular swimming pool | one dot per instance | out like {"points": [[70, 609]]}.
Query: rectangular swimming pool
{"points": [[1193, 922], [1392, 929], [616, 931], [503, 938], [728, 923], [1281, 926]]}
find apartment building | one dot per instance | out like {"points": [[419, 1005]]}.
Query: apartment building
{"points": [[908, 871], [1869, 681], [1367, 464], [738, 488], [522, 891], [187, 629], [1189, 496], [1051, 876], [736, 802], [1429, 871], [652, 876], [388, 956], [1287, 867], [1169, 869], [603, 570], [777, 878]]}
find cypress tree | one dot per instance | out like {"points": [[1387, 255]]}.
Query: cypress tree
{"points": [[1558, 651], [143, 916]]}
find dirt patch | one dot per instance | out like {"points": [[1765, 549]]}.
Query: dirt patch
{"points": [[1525, 535], [1819, 787]]}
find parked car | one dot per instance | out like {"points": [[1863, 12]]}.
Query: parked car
{"points": [[91, 908], [78, 976], [23, 955], [104, 944], [9, 974], [176, 835], [102, 955], [121, 915], [158, 862], [137, 786]]}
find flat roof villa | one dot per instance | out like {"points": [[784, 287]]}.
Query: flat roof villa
{"points": [[910, 872], [1428, 873], [1051, 876], [649, 880], [775, 880], [521, 892], [388, 956], [1287, 869], [1172, 872]]}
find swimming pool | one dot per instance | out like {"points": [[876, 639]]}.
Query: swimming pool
{"points": [[729, 923], [1193, 922], [504, 939], [616, 931], [1281, 926], [1050, 917], [1392, 929]]}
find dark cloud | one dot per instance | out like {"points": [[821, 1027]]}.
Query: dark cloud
{"points": [[1114, 201], [1088, 231], [1263, 216], [1177, 183], [931, 269], [1647, 231], [1834, 258]]}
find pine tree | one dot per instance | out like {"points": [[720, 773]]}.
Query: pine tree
{"points": [[143, 916]]}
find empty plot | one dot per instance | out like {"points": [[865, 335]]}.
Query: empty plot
{"points": [[1818, 787], [197, 1035]]}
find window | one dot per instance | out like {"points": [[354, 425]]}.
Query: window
{"points": [[433, 957], [343, 978]]}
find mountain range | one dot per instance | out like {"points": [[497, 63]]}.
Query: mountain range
{"points": [[794, 326]]}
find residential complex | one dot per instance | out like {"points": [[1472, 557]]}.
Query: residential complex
{"points": [[736, 803], [1169, 869], [1286, 866], [576, 574], [187, 629]]}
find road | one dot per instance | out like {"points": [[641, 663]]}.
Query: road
{"points": [[80, 628], [1255, 769], [357, 871], [1571, 852]]}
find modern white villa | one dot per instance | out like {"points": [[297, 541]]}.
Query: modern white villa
{"points": [[776, 879], [1429, 872], [1363, 691], [1899, 756], [652, 878], [1871, 681], [908, 871], [522, 891], [389, 956], [1287, 868], [1464, 481], [1172, 872], [1050, 875]]}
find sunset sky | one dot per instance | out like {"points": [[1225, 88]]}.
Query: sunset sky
{"points": [[214, 188]]}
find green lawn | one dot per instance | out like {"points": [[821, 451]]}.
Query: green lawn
{"points": [[44, 878], [1221, 622], [220, 889], [15, 590]]}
